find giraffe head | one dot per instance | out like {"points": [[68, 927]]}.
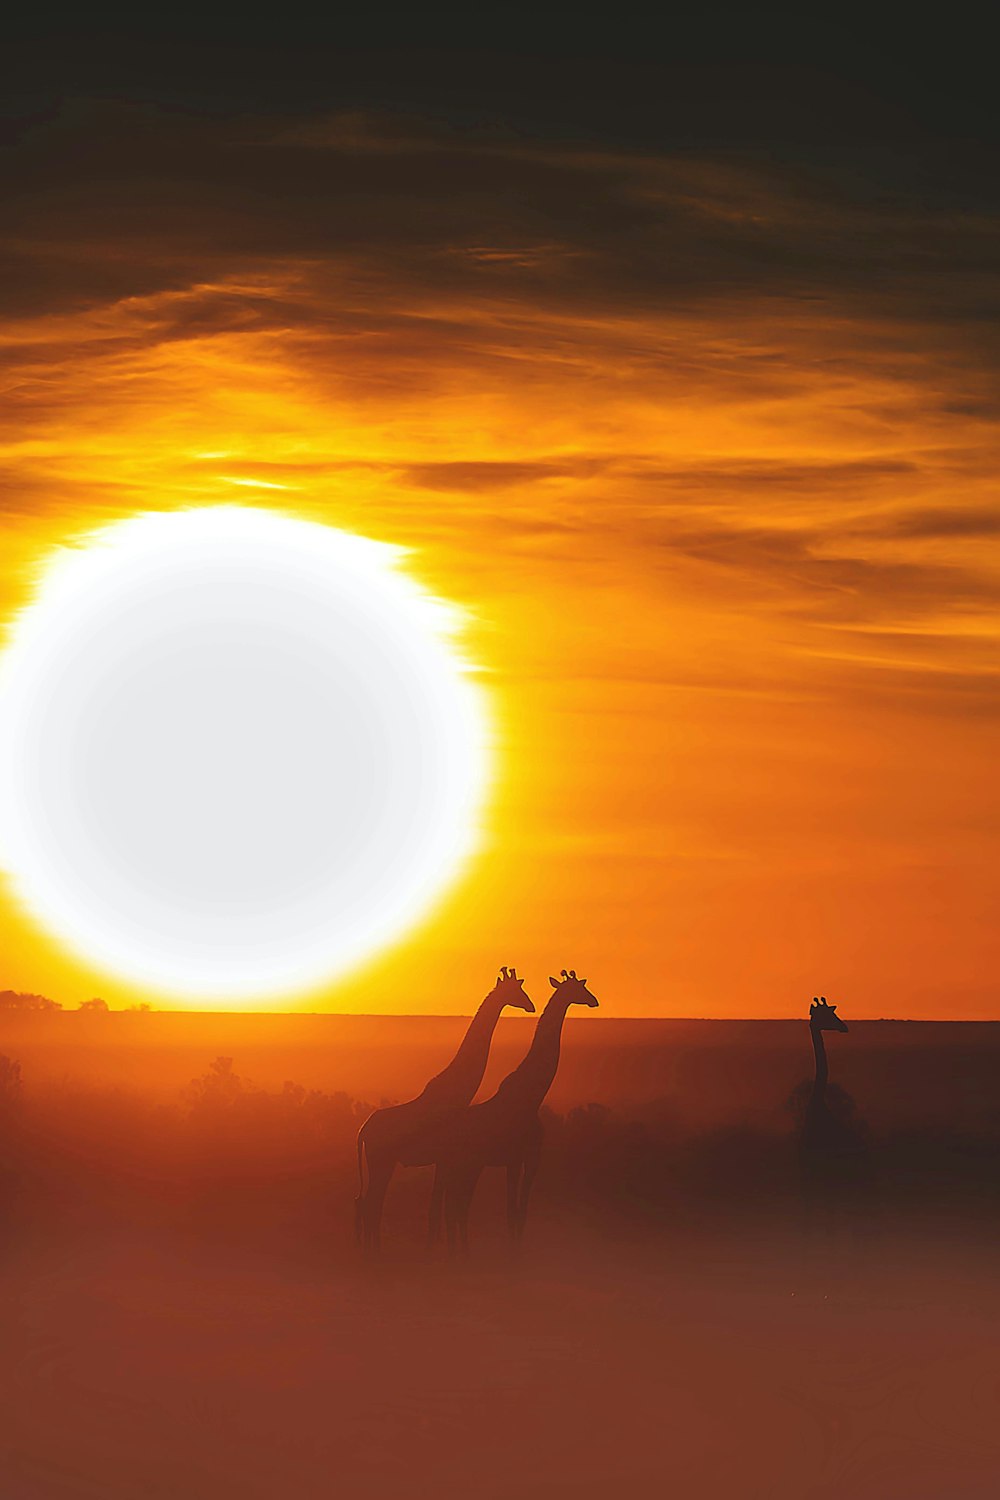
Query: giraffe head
{"points": [[509, 990], [572, 990], [824, 1017]]}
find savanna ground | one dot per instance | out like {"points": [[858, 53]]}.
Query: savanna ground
{"points": [[185, 1316]]}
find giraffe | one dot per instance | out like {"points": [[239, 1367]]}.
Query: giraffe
{"points": [[505, 1131], [392, 1136], [819, 1124], [830, 1142]]}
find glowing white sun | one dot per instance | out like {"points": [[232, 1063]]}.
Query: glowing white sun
{"points": [[238, 752]]}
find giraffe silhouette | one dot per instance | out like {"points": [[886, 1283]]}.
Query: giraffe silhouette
{"points": [[505, 1131], [831, 1139], [398, 1134], [820, 1128]]}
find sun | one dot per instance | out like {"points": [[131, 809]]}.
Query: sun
{"points": [[239, 752]]}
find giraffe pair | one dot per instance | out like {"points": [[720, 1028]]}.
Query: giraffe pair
{"points": [[443, 1129]]}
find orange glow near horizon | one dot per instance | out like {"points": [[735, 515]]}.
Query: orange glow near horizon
{"points": [[724, 575]]}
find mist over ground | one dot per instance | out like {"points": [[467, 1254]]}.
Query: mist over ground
{"points": [[187, 1314]]}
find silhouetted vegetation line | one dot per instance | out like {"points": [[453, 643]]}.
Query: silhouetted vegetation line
{"points": [[23, 1002], [225, 1157], [18, 1000]]}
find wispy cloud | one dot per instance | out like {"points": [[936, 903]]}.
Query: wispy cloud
{"points": [[706, 444]]}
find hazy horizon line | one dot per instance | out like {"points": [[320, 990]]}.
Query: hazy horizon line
{"points": [[467, 1015]]}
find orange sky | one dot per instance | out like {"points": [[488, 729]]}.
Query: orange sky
{"points": [[705, 448]]}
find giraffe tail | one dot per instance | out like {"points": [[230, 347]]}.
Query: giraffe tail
{"points": [[359, 1202]]}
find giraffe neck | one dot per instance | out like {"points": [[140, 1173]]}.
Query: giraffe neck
{"points": [[816, 1098], [533, 1078], [458, 1082]]}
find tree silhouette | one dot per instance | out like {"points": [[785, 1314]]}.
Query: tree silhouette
{"points": [[97, 1006], [841, 1106], [16, 1000], [218, 1089]]}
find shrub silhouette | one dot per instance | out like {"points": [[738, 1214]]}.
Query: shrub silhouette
{"points": [[841, 1107], [16, 1000], [276, 1166]]}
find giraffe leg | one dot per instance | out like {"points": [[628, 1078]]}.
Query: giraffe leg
{"points": [[531, 1159], [434, 1212], [513, 1198], [458, 1201], [450, 1188], [379, 1178], [465, 1206]]}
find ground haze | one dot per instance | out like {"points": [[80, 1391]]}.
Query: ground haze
{"points": [[187, 1314]]}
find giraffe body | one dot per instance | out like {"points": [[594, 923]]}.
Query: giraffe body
{"points": [[406, 1134], [830, 1142], [819, 1123], [505, 1131]]}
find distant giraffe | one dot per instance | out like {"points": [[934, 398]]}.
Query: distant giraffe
{"points": [[505, 1131], [831, 1142], [392, 1136], [820, 1126]]}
